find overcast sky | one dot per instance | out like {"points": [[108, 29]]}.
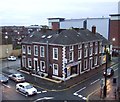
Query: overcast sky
{"points": [[30, 12]]}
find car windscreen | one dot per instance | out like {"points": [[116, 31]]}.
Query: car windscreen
{"points": [[109, 71], [19, 76], [29, 86]]}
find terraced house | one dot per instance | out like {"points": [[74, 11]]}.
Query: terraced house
{"points": [[63, 54]]}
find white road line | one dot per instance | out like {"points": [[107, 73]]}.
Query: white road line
{"points": [[94, 81], [6, 86], [44, 98], [115, 69], [84, 98], [44, 91], [39, 92], [75, 94], [80, 96], [80, 89]]}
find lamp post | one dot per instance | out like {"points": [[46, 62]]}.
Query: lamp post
{"points": [[6, 37], [105, 86]]}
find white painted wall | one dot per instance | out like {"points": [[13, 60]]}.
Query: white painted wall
{"points": [[76, 23], [102, 25]]}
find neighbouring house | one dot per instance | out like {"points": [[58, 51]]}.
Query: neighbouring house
{"points": [[114, 35], [6, 46], [63, 54]]}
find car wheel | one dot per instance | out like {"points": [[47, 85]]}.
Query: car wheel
{"points": [[17, 89], [26, 94]]}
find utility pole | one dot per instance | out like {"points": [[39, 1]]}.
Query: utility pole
{"points": [[6, 37], [105, 86]]}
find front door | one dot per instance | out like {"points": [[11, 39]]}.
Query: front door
{"points": [[74, 70]]}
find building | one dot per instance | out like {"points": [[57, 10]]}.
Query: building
{"points": [[63, 54], [102, 24], [114, 35], [6, 46]]}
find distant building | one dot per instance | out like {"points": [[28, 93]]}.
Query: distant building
{"points": [[102, 24], [63, 54], [6, 46], [114, 35]]}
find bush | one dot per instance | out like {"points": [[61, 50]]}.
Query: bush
{"points": [[18, 47]]}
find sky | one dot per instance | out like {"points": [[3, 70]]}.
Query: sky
{"points": [[31, 12]]}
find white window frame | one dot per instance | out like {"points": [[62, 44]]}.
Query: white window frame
{"points": [[79, 46], [29, 61], [55, 72], [42, 54], [71, 48], [85, 52], [71, 57], [54, 56], [85, 64], [91, 44], [42, 68], [96, 49], [35, 52], [35, 59], [95, 60], [23, 49], [79, 54], [29, 50], [90, 51], [23, 61], [100, 49]]}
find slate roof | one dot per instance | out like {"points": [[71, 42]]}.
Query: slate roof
{"points": [[65, 37]]}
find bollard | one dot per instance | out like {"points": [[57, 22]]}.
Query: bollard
{"points": [[114, 80]]}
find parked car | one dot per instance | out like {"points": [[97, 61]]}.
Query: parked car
{"points": [[110, 72], [3, 79], [17, 77], [12, 58], [26, 88]]}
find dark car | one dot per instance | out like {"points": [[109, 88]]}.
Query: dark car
{"points": [[3, 79], [110, 72]]}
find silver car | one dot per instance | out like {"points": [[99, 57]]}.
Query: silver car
{"points": [[17, 77], [26, 88], [3, 79]]}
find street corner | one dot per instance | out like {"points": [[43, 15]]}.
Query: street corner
{"points": [[95, 95]]}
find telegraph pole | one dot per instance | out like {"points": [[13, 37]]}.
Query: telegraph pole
{"points": [[105, 86]]}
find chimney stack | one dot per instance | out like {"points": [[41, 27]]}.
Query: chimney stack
{"points": [[94, 29]]}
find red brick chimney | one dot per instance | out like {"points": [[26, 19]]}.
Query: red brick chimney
{"points": [[94, 29]]}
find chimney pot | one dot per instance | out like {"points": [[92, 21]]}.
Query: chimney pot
{"points": [[94, 29]]}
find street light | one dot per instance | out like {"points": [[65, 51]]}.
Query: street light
{"points": [[6, 37], [105, 86]]}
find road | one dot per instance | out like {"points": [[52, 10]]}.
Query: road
{"points": [[78, 92]]}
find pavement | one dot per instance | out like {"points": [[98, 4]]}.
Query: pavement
{"points": [[54, 85]]}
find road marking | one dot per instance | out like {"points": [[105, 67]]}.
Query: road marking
{"points": [[80, 96], [44, 98], [80, 89], [39, 92], [94, 81], [75, 94], [6, 86], [84, 98], [115, 69], [44, 91]]}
